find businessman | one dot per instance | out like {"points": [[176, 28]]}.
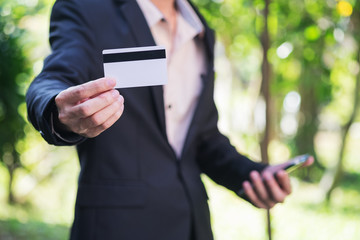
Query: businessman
{"points": [[142, 149]]}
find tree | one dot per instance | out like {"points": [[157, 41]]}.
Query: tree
{"points": [[334, 175], [14, 71]]}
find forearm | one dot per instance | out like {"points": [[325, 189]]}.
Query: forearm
{"points": [[42, 110], [222, 163], [69, 64]]}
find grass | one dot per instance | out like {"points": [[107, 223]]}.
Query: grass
{"points": [[304, 215], [13, 229]]}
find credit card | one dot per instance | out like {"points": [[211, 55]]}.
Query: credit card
{"points": [[136, 67]]}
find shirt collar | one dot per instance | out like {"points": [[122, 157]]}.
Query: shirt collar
{"points": [[153, 15], [151, 12]]}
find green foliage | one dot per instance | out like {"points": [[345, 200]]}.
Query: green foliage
{"points": [[14, 72], [14, 229], [312, 54], [12, 66]]}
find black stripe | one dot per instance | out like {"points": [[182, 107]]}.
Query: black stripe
{"points": [[133, 56]]}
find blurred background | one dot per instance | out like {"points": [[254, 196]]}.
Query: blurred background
{"points": [[288, 83]]}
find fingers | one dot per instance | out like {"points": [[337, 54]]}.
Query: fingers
{"points": [[276, 192], [87, 90], [284, 181], [257, 192], [273, 185], [259, 187], [252, 195], [95, 104], [265, 191], [90, 108], [309, 161], [102, 116], [95, 124], [95, 131]]}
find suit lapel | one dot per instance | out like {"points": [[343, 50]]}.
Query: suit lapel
{"points": [[207, 79], [143, 37], [137, 22], [209, 35], [142, 34]]}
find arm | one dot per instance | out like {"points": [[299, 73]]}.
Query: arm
{"points": [[216, 156], [222, 163], [52, 96], [264, 186]]}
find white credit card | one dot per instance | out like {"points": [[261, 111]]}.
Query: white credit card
{"points": [[136, 67]]}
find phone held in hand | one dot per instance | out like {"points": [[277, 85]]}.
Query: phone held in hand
{"points": [[290, 166], [296, 162]]}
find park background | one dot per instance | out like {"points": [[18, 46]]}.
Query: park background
{"points": [[288, 83]]}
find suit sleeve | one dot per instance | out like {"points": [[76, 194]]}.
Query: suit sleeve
{"points": [[69, 64], [217, 158]]}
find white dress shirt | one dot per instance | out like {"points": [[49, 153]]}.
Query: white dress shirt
{"points": [[186, 62]]}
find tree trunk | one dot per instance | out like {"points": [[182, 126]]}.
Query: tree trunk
{"points": [[11, 166], [265, 91], [308, 126], [11, 197], [337, 172], [265, 86]]}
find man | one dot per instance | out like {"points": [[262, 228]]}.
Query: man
{"points": [[141, 163]]}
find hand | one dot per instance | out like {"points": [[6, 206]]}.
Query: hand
{"points": [[90, 108], [265, 190]]}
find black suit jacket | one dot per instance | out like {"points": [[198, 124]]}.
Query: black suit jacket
{"points": [[131, 184]]}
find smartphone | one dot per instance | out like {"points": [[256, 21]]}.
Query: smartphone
{"points": [[291, 165], [296, 162]]}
